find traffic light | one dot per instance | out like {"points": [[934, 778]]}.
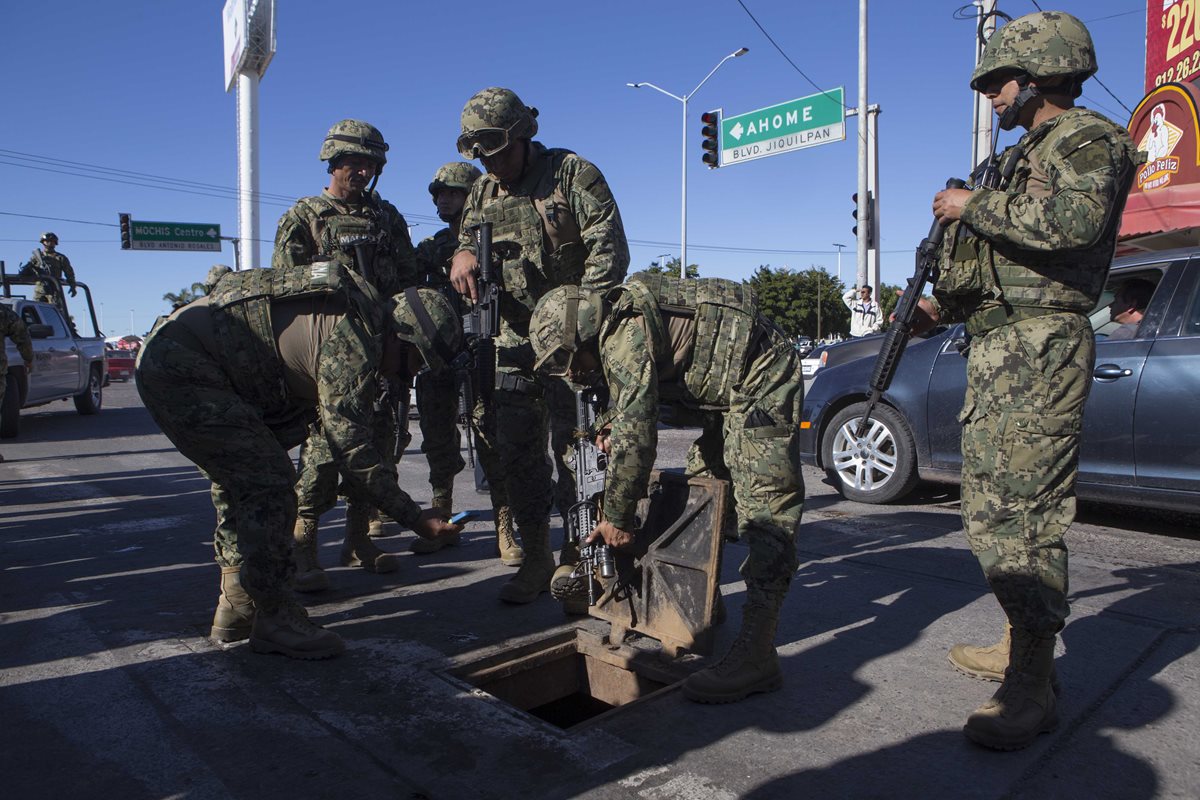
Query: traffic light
{"points": [[711, 133], [126, 233], [863, 214]]}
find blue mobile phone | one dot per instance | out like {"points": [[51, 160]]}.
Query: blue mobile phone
{"points": [[462, 517]]}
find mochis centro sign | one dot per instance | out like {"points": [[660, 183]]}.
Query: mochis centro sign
{"points": [[794, 125]]}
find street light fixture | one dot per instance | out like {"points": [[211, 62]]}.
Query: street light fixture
{"points": [[683, 167], [662, 261]]}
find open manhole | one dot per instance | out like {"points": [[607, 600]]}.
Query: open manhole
{"points": [[571, 677]]}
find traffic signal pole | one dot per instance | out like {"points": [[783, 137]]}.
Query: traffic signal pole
{"points": [[863, 169]]}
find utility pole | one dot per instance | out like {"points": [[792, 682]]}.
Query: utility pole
{"points": [[981, 140], [819, 282], [873, 192], [249, 33]]}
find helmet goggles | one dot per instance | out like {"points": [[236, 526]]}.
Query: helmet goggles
{"points": [[485, 141]]}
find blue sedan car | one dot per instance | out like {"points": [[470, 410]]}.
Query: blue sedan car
{"points": [[1141, 431]]}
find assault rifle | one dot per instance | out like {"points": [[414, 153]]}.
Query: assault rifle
{"points": [[462, 366], [900, 329], [590, 464], [355, 246], [475, 368], [394, 399]]}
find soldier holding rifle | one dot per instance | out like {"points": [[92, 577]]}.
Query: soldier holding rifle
{"points": [[1023, 263], [555, 223]]}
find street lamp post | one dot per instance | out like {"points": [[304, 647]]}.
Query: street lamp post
{"points": [[683, 166], [839, 247], [662, 261]]}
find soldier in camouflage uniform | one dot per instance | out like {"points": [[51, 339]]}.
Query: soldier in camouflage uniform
{"points": [[46, 262], [13, 327], [555, 223], [235, 379], [1023, 264], [437, 392], [329, 226], [695, 346]]}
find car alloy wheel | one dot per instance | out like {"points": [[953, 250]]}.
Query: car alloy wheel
{"points": [[876, 468]]}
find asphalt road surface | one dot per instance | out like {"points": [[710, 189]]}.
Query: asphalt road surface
{"points": [[110, 688]]}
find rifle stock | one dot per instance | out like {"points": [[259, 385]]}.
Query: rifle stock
{"points": [[900, 329]]}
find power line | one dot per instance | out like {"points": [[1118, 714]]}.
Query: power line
{"points": [[77, 169], [785, 55]]}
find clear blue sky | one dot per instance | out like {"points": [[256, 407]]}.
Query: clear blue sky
{"points": [[137, 87]]}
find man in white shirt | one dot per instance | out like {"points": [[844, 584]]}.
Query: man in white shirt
{"points": [[865, 315]]}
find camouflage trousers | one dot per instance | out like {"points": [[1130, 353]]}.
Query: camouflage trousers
{"points": [[319, 481], [192, 400], [757, 448], [541, 408], [1026, 387], [437, 403]]}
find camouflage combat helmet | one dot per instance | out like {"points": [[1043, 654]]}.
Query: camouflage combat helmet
{"points": [[565, 319], [354, 137], [455, 175], [1047, 44], [48, 235], [493, 118], [215, 273], [424, 318]]}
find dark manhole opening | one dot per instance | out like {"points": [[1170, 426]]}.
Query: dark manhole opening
{"points": [[571, 677]]}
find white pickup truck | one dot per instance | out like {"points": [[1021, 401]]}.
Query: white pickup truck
{"points": [[66, 365]]}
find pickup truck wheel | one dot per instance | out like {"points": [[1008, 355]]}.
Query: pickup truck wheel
{"points": [[879, 468], [88, 401], [10, 412]]}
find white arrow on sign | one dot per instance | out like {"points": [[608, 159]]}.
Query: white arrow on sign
{"points": [[211, 233], [736, 131]]}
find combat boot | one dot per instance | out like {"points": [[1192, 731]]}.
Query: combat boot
{"points": [[510, 553], [1025, 704], [443, 499], [375, 524], [533, 577], [989, 663], [235, 609], [309, 575], [567, 588], [357, 548], [289, 631], [751, 665]]}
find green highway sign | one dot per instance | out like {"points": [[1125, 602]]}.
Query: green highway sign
{"points": [[174, 236], [794, 125]]}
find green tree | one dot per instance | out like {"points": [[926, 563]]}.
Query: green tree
{"points": [[185, 296], [887, 301], [802, 303], [672, 268]]}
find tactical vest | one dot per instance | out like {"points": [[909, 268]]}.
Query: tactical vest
{"points": [[728, 333], [334, 225], [995, 282], [434, 254], [535, 234], [241, 312]]}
